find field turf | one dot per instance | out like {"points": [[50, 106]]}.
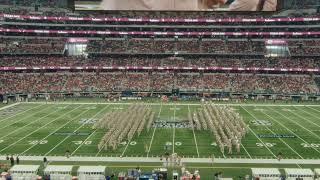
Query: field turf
{"points": [[52, 129]]}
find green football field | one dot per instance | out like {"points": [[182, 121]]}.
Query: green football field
{"points": [[52, 129]]}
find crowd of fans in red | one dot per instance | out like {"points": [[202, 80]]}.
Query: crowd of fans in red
{"points": [[67, 81], [21, 46], [156, 81], [242, 46], [41, 3], [36, 61]]}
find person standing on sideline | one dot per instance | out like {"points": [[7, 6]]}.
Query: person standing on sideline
{"points": [[45, 162], [18, 160], [67, 153], [12, 161]]}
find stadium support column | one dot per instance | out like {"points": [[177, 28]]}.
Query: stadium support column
{"points": [[176, 39], [200, 43], [36, 5]]}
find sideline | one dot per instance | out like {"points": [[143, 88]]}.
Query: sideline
{"points": [[157, 160]]}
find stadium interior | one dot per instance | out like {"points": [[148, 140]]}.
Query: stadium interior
{"points": [[148, 94]]}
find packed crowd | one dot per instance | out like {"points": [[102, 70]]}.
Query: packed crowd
{"points": [[242, 46], [41, 3], [66, 12], [21, 46], [114, 27], [116, 123], [122, 26], [227, 125], [187, 46], [196, 46], [151, 81], [236, 62], [192, 46], [156, 81], [273, 84]]}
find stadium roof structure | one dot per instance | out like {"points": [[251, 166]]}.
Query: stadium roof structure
{"points": [[91, 170], [24, 169], [295, 172], [265, 172], [51, 169]]}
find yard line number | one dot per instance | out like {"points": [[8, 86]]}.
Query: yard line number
{"points": [[34, 142], [82, 142], [310, 145], [266, 144]]}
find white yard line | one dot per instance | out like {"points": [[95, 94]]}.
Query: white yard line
{"points": [[102, 148], [289, 129], [8, 106], [125, 149], [32, 122], [311, 113], [154, 131], [305, 118], [25, 117], [98, 152], [312, 108], [174, 128], [95, 115], [83, 142], [298, 166], [246, 151], [259, 138], [315, 135], [224, 156], [18, 112], [194, 135], [275, 133], [60, 127], [37, 129], [262, 142]]}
